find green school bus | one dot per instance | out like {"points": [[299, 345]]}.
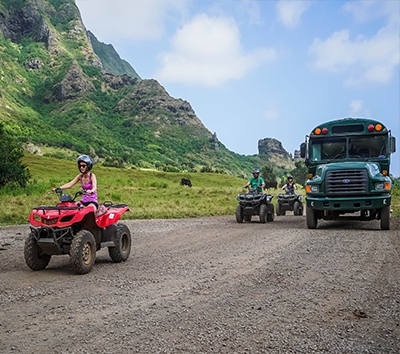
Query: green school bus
{"points": [[348, 164]]}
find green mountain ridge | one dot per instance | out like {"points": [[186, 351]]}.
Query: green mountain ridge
{"points": [[62, 88], [110, 59]]}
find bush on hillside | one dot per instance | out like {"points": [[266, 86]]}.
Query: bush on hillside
{"points": [[12, 170]]}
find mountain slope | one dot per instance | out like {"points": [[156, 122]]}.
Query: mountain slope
{"points": [[56, 90], [110, 59]]}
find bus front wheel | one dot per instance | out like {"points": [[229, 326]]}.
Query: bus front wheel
{"points": [[385, 218], [311, 218]]}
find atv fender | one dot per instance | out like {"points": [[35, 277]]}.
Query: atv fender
{"points": [[108, 236]]}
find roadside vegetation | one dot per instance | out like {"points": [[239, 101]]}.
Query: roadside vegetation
{"points": [[150, 194]]}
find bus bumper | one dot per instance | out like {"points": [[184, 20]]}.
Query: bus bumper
{"points": [[349, 204]]}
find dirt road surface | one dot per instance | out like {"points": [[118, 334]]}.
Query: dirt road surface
{"points": [[210, 285]]}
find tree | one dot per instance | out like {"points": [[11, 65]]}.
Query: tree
{"points": [[267, 172], [300, 172], [12, 170]]}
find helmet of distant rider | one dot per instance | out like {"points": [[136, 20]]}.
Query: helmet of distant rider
{"points": [[87, 160], [290, 177], [256, 171]]}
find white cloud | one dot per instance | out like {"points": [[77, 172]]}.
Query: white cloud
{"points": [[365, 11], [207, 51], [252, 9], [272, 113], [363, 61], [290, 12], [357, 109], [139, 19]]}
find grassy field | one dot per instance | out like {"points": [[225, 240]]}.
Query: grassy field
{"points": [[150, 194]]}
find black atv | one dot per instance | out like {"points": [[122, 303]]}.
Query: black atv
{"points": [[254, 203], [289, 201]]}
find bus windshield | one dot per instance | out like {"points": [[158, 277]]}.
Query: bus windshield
{"points": [[348, 148]]}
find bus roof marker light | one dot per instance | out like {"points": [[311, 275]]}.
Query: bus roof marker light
{"points": [[324, 131], [317, 131], [371, 128], [378, 127]]}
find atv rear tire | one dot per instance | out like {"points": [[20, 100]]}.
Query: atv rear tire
{"points": [[122, 249], [263, 213], [83, 252], [239, 214], [34, 258]]}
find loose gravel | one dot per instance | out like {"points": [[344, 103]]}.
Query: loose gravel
{"points": [[210, 285]]}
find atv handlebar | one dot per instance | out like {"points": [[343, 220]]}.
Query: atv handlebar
{"points": [[67, 197]]}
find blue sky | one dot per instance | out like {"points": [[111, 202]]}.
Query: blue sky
{"points": [[262, 69]]}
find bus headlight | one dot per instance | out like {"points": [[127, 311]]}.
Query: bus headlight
{"points": [[315, 188], [379, 186]]}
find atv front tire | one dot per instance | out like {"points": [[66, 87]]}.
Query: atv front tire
{"points": [[34, 258], [296, 208], [83, 252], [278, 209], [239, 214], [120, 252], [263, 213], [271, 212]]}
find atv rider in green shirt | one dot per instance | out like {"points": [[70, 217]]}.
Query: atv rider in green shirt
{"points": [[256, 181]]}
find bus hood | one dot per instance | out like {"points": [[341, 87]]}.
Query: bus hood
{"points": [[372, 168]]}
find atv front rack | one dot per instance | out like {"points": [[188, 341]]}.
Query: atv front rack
{"points": [[59, 208]]}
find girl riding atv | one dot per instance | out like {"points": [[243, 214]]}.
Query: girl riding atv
{"points": [[88, 181], [289, 186]]}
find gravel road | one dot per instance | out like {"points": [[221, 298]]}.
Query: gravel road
{"points": [[210, 285]]}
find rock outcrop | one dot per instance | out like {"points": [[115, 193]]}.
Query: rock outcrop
{"points": [[151, 99], [271, 146], [74, 85]]}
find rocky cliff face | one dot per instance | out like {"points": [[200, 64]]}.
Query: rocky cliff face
{"points": [[271, 146], [38, 20], [157, 106], [75, 84]]}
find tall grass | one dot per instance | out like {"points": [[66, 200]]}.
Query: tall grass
{"points": [[149, 193]]}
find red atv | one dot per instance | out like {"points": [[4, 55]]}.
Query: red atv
{"points": [[74, 229]]}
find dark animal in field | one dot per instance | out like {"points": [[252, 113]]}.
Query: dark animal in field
{"points": [[186, 182], [273, 184]]}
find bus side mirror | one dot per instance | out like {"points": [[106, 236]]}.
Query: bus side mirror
{"points": [[303, 150], [392, 144]]}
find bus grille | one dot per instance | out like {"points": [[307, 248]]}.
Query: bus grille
{"points": [[346, 182]]}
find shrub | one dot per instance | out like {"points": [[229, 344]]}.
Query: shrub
{"points": [[12, 171]]}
